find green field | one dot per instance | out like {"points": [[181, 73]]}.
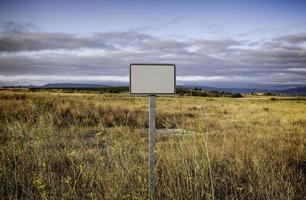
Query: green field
{"points": [[56, 145]]}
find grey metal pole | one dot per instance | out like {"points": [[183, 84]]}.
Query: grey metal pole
{"points": [[152, 142]]}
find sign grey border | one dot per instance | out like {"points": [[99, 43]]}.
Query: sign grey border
{"points": [[152, 64]]}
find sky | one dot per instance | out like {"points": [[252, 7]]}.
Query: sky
{"points": [[258, 44]]}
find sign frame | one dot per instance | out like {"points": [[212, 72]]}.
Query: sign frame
{"points": [[151, 64]]}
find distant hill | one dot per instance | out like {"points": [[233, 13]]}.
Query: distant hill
{"points": [[299, 91]]}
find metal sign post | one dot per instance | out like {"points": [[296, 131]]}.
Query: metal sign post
{"points": [[152, 143], [152, 80]]}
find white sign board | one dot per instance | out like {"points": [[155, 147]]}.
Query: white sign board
{"points": [[151, 79]]}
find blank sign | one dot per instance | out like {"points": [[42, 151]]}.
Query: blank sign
{"points": [[152, 79]]}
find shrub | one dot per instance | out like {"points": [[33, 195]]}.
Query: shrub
{"points": [[236, 95]]}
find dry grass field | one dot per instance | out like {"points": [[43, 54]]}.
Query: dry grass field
{"points": [[94, 146]]}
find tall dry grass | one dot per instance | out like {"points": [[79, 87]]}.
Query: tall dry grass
{"points": [[91, 146]]}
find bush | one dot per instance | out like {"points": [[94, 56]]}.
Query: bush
{"points": [[236, 95]]}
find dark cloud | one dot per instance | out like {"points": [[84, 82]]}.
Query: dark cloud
{"points": [[217, 46], [165, 44], [16, 28], [34, 41], [294, 39]]}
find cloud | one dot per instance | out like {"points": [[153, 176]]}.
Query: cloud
{"points": [[294, 39], [25, 52], [16, 28], [199, 78], [34, 41], [44, 79], [275, 29]]}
